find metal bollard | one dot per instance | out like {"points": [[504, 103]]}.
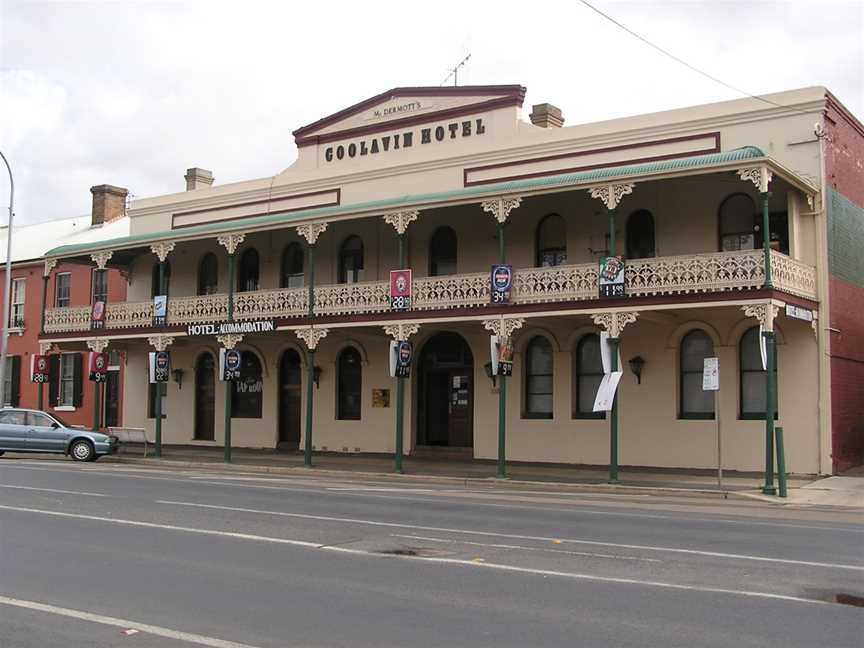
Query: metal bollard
{"points": [[781, 462]]}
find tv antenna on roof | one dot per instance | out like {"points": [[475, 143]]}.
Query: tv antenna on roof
{"points": [[455, 71]]}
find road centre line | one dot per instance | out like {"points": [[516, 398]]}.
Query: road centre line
{"points": [[201, 640], [54, 490], [596, 543], [542, 549], [369, 554], [187, 478]]}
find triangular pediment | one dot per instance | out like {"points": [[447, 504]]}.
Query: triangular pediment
{"points": [[404, 106]]}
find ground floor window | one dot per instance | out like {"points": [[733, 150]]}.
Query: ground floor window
{"points": [[753, 377], [695, 403], [539, 378], [65, 388], [349, 385], [587, 374], [247, 392]]}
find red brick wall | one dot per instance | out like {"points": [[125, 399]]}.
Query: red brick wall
{"points": [[844, 169], [27, 342]]}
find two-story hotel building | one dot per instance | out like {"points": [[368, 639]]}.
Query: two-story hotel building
{"points": [[293, 271]]}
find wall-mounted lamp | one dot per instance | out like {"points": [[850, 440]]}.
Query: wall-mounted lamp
{"points": [[178, 377], [636, 364], [489, 374], [316, 376]]}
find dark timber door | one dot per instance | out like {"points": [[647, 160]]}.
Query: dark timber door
{"points": [[289, 400], [205, 398], [446, 393], [112, 399]]}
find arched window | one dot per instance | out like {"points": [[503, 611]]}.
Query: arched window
{"points": [[349, 383], [351, 260], [154, 279], [539, 378], [247, 276], [208, 275], [695, 403], [551, 241], [205, 398], [588, 372], [247, 392], [737, 224], [753, 376], [442, 252], [640, 235], [291, 267]]}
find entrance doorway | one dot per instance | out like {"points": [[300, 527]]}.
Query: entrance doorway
{"points": [[446, 393], [289, 400], [112, 399], [205, 398]]}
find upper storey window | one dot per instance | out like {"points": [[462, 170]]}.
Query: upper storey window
{"points": [[442, 252], [551, 241], [351, 260], [247, 277]]}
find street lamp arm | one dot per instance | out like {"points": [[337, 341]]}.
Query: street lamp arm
{"points": [[7, 283]]}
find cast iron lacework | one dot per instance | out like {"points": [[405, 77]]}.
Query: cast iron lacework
{"points": [[312, 336], [401, 332]]}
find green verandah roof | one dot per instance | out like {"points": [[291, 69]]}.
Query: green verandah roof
{"points": [[514, 186]]}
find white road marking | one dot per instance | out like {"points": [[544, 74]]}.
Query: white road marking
{"points": [[541, 549], [159, 631], [186, 477], [54, 490], [596, 543], [365, 553]]}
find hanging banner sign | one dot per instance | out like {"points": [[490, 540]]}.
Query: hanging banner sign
{"points": [[797, 312], [97, 315], [229, 364], [606, 391], [611, 276], [39, 372], [400, 289], [763, 349], [160, 366], [502, 356], [501, 283], [401, 354], [711, 374], [605, 355], [98, 367], [160, 310], [257, 326]]}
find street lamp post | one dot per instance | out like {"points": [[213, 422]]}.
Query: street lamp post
{"points": [[7, 282]]}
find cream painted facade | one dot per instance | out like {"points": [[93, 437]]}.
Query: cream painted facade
{"points": [[679, 165]]}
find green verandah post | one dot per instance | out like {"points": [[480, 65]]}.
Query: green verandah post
{"points": [[771, 377], [310, 367], [614, 341], [400, 382], [229, 385], [502, 384], [40, 399], [157, 401]]}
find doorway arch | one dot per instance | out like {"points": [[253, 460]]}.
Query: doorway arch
{"points": [[445, 409], [205, 398], [290, 400]]}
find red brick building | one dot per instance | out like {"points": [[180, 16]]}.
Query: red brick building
{"points": [[70, 395]]}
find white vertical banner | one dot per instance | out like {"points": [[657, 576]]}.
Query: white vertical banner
{"points": [[394, 346], [606, 391], [493, 353], [763, 350], [605, 356]]}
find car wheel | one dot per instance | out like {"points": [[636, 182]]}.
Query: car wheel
{"points": [[82, 451]]}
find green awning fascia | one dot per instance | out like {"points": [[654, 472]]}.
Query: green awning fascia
{"points": [[605, 174]]}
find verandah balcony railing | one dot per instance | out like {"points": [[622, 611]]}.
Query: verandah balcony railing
{"points": [[694, 273]]}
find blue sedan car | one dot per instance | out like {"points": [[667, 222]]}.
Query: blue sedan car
{"points": [[23, 430]]}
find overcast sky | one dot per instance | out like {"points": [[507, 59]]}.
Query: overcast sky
{"points": [[133, 93]]}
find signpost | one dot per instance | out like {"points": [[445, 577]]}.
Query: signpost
{"points": [[160, 310], [39, 369], [501, 283], [711, 382], [400, 289], [98, 370], [611, 277]]}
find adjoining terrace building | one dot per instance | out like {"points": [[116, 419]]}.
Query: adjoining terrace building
{"points": [[448, 182]]}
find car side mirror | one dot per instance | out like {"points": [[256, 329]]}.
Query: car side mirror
{"points": [[55, 425]]}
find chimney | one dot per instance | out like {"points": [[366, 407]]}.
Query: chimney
{"points": [[197, 178], [546, 116], [109, 203]]}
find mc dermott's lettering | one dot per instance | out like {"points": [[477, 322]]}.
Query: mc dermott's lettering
{"points": [[264, 326], [392, 110], [452, 130]]}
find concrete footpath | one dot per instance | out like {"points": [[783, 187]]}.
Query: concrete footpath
{"points": [[804, 490]]}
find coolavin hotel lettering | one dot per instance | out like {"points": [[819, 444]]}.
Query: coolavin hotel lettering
{"points": [[407, 139]]}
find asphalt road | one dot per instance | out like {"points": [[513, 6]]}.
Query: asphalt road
{"points": [[113, 555]]}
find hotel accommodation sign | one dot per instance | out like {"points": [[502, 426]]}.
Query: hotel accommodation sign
{"points": [[257, 326]]}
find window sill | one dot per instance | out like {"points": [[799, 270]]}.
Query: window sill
{"points": [[64, 408], [19, 330]]}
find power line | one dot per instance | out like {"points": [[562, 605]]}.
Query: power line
{"points": [[685, 63]]}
